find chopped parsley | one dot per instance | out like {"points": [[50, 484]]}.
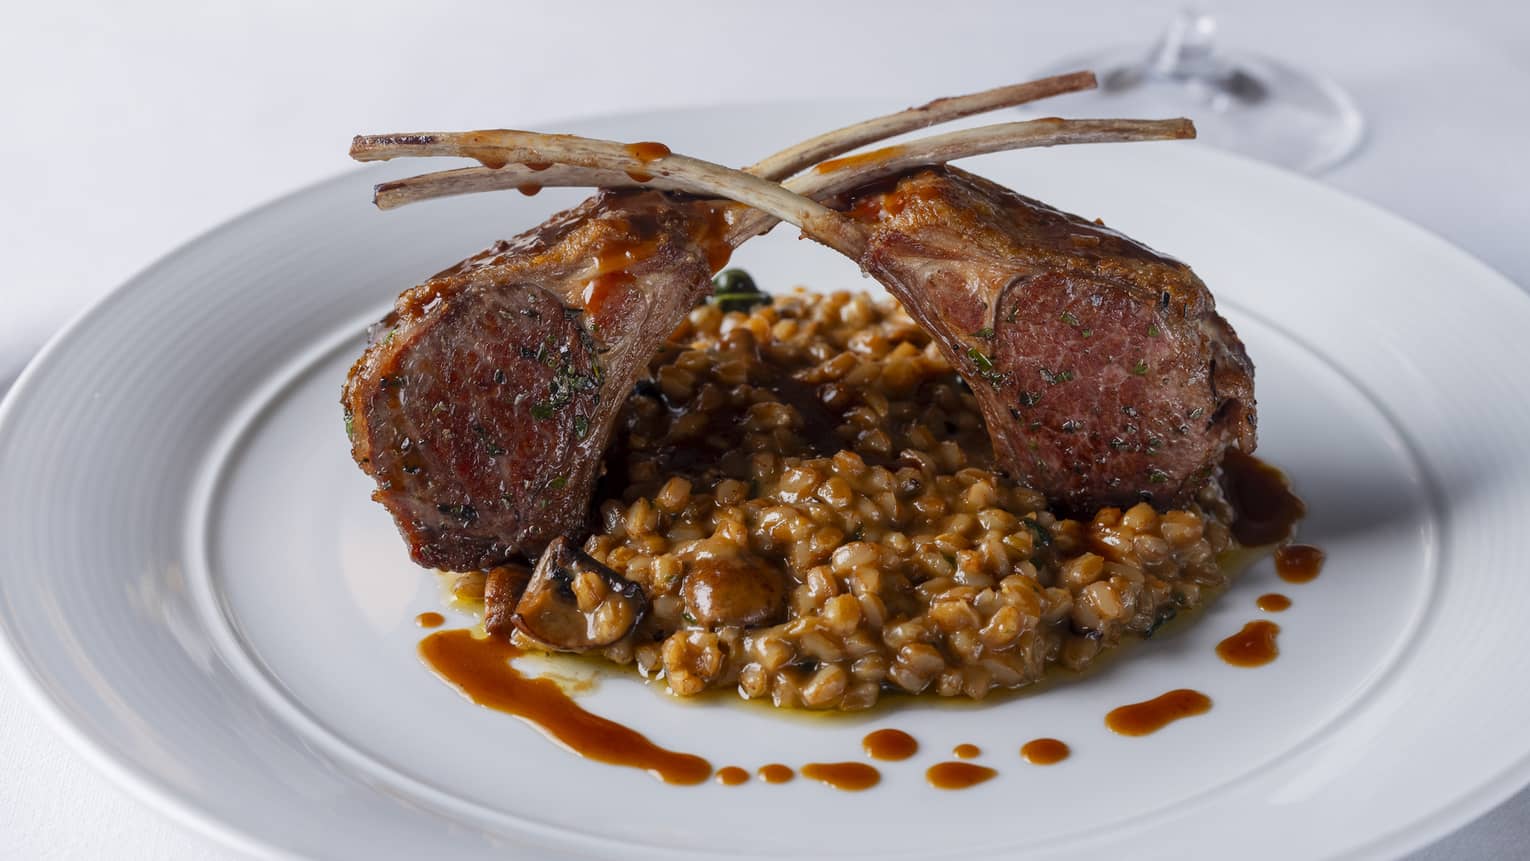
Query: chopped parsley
{"points": [[581, 425], [558, 483], [1030, 399], [1067, 317], [986, 333], [1153, 330], [1141, 368]]}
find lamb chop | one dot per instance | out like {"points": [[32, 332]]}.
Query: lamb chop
{"points": [[1104, 373], [484, 402]]}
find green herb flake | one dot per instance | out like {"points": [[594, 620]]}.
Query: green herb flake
{"points": [[1157, 476], [986, 333], [1067, 317], [1030, 399], [558, 483], [980, 359], [543, 410], [1141, 368], [581, 425], [1153, 330], [1087, 333], [350, 426], [1197, 412]]}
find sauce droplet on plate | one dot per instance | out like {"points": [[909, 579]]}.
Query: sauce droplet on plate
{"points": [[480, 668], [1299, 563], [776, 773], [890, 744], [850, 776], [1152, 715], [1265, 509], [1254, 646], [1044, 751], [966, 751], [430, 620], [958, 775], [1273, 602], [732, 775]]}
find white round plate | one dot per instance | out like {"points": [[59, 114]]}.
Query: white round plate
{"points": [[200, 593]]}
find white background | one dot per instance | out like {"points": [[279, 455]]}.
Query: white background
{"points": [[127, 129]]}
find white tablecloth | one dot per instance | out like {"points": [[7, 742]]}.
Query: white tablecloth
{"points": [[127, 129]]}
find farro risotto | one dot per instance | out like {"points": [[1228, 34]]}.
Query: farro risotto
{"points": [[804, 491]]}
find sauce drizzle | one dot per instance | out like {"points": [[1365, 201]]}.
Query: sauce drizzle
{"points": [[890, 744], [966, 751], [430, 620], [1254, 646], [1044, 751], [1299, 563], [732, 775], [481, 670], [958, 775], [1265, 509], [858, 160], [1152, 715], [849, 776], [776, 773], [1273, 602], [645, 152]]}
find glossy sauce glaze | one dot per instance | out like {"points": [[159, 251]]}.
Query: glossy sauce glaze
{"points": [[1152, 715], [958, 775], [1273, 602], [1044, 751], [480, 668], [776, 773], [1265, 509], [966, 751], [890, 744], [645, 152], [858, 160], [732, 775], [1299, 563], [430, 620], [530, 189], [850, 776], [1254, 646]]}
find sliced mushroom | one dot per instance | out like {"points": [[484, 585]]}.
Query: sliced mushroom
{"points": [[734, 592], [503, 587], [574, 604]]}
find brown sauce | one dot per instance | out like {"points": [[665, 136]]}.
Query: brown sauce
{"points": [[1299, 563], [966, 751], [481, 669], [776, 773], [1273, 602], [1254, 646], [536, 166], [1265, 509], [645, 152], [958, 775], [890, 744], [1152, 715], [849, 776], [529, 189], [1044, 751], [602, 288], [732, 775], [859, 160], [430, 620], [489, 157]]}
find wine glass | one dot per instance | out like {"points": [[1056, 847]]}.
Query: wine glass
{"points": [[1239, 101]]}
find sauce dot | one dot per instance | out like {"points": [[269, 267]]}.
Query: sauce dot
{"points": [[430, 620], [966, 751], [849, 776], [1274, 602], [958, 775], [776, 773], [1299, 563], [1152, 715], [1044, 751], [1254, 646], [890, 744], [732, 775]]}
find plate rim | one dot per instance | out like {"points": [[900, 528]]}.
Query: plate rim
{"points": [[187, 812]]}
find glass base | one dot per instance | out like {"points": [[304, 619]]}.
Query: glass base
{"points": [[1245, 103]]}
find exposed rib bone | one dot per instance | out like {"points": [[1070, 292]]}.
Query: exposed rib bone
{"points": [[678, 173], [779, 166], [583, 162]]}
